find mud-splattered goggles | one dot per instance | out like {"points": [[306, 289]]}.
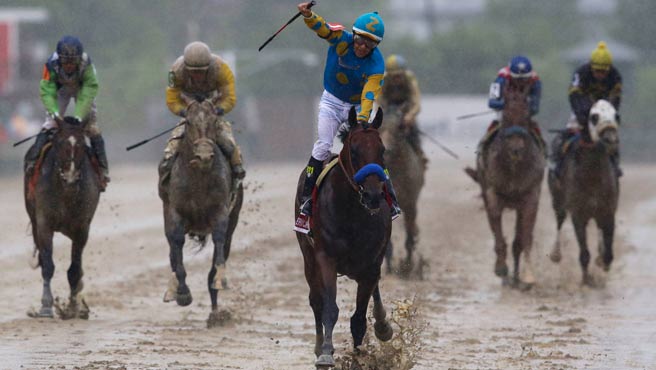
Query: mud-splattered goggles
{"points": [[369, 43]]}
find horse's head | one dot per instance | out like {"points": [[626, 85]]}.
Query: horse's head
{"points": [[603, 125], [69, 146], [362, 158], [201, 128], [516, 110]]}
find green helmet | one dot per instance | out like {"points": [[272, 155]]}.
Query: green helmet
{"points": [[197, 55]]}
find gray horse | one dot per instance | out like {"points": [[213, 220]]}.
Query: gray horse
{"points": [[408, 170], [198, 202], [588, 187], [61, 195], [509, 170]]}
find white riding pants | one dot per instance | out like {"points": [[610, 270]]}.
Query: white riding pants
{"points": [[332, 113]]}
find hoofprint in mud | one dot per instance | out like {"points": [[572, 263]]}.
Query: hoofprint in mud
{"points": [[472, 322]]}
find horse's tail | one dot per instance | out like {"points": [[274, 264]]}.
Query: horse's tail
{"points": [[472, 173]]}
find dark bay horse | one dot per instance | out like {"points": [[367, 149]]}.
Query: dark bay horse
{"points": [[510, 170], [407, 169], [198, 202], [351, 225], [61, 195], [588, 187]]}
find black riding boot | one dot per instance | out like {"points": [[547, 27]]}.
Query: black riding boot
{"points": [[395, 209], [98, 146], [557, 152], [313, 169], [32, 154], [312, 172]]}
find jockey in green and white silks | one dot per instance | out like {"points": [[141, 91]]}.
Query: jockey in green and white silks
{"points": [[353, 77]]}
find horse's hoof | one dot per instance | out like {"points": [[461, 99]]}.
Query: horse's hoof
{"points": [[588, 280], [501, 269], [325, 361], [555, 256], [218, 318], [383, 330], [523, 286], [46, 312], [183, 299], [405, 269], [599, 261]]}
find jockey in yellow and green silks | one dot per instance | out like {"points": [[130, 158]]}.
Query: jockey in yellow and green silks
{"points": [[69, 74], [200, 75], [353, 77]]}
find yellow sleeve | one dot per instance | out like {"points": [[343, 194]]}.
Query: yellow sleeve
{"points": [[226, 81], [370, 93], [174, 101], [317, 24]]}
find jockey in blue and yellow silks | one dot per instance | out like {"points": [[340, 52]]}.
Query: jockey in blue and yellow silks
{"points": [[353, 76]]}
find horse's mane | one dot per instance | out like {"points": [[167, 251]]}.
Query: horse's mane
{"points": [[344, 131]]}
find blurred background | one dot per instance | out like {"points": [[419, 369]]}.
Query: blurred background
{"points": [[454, 47]]}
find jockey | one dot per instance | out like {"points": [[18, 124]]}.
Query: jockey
{"points": [[597, 79], [353, 76], [198, 75], [518, 73], [401, 89], [69, 74]]}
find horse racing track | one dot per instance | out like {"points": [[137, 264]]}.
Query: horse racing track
{"points": [[462, 317]]}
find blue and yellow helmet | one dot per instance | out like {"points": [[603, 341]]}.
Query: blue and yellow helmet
{"points": [[370, 25], [395, 63]]}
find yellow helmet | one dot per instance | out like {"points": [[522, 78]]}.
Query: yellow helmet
{"points": [[601, 57], [395, 62]]}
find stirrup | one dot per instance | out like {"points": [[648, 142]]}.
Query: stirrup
{"points": [[395, 211], [302, 224]]}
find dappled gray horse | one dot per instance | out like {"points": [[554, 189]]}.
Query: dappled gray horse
{"points": [[588, 187], [198, 202], [61, 195], [407, 169], [509, 170]]}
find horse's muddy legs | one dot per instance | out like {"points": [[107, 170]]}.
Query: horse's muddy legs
{"points": [[44, 245], [330, 311], [382, 328], [176, 238], [216, 278], [76, 306], [584, 254]]}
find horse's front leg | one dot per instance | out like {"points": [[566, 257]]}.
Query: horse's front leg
{"points": [[44, 245], [216, 278], [330, 311], [411, 235], [606, 225], [76, 307], [580, 225], [175, 236], [494, 210], [522, 245], [382, 328], [557, 202], [359, 318]]}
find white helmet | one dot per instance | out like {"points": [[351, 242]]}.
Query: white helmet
{"points": [[197, 56]]}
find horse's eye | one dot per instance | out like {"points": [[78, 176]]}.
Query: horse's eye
{"points": [[594, 118]]}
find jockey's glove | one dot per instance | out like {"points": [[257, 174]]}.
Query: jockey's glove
{"points": [[219, 111]]}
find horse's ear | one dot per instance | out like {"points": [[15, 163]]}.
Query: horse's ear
{"points": [[378, 120], [352, 117]]}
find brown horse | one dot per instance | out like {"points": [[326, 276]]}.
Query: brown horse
{"points": [[351, 225], [61, 195], [509, 170], [588, 187], [407, 169], [198, 202]]}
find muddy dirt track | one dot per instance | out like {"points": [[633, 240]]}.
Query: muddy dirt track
{"points": [[472, 321]]}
